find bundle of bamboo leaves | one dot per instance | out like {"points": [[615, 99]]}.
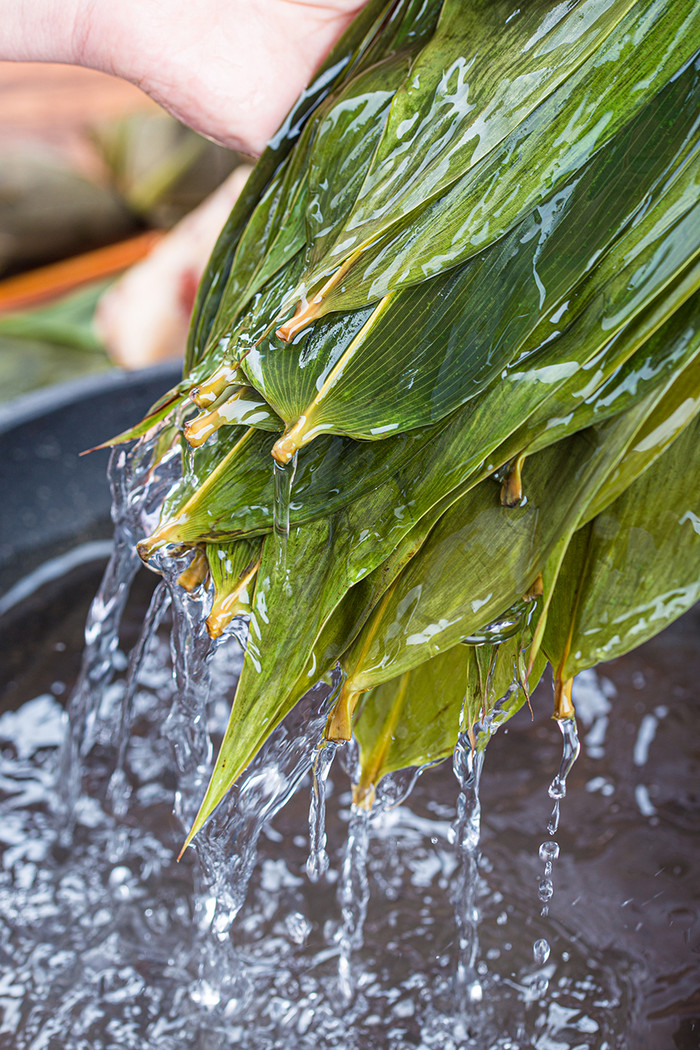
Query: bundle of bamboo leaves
{"points": [[458, 305]]}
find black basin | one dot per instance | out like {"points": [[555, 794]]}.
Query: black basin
{"points": [[52, 499]]}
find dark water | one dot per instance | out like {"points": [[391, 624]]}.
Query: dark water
{"points": [[100, 946]]}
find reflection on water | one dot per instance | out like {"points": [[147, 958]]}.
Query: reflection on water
{"points": [[101, 944]]}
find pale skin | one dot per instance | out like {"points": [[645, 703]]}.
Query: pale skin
{"points": [[230, 69]]}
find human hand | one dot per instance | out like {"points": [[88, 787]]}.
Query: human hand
{"points": [[230, 69]]}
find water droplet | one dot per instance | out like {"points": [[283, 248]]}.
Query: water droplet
{"points": [[541, 951], [553, 823], [298, 927], [545, 890], [549, 851]]}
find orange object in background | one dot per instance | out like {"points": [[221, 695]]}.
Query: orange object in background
{"points": [[48, 282]]}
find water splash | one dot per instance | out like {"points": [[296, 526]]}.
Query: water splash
{"points": [[353, 896], [101, 635], [137, 982], [119, 791], [317, 862], [227, 846], [468, 763], [139, 479]]}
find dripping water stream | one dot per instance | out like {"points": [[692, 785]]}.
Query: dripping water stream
{"points": [[353, 896], [280, 987], [137, 488], [549, 849], [468, 765], [317, 862], [118, 790]]}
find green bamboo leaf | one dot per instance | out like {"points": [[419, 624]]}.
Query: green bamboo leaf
{"points": [[494, 259], [481, 557], [345, 619], [561, 376], [648, 429], [233, 567], [557, 138], [259, 704], [238, 406], [274, 235], [289, 378], [662, 426], [415, 719], [485, 70], [663, 357], [338, 572], [201, 469], [349, 133], [333, 472], [346, 126], [327, 560], [229, 490], [634, 569], [469, 324]]}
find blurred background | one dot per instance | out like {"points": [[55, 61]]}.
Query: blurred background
{"points": [[108, 211]]}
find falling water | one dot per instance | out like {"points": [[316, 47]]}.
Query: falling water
{"points": [[468, 763], [188, 464], [227, 846], [549, 849], [284, 480], [191, 651], [353, 896], [142, 974], [570, 752], [137, 488], [317, 863], [118, 791]]}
